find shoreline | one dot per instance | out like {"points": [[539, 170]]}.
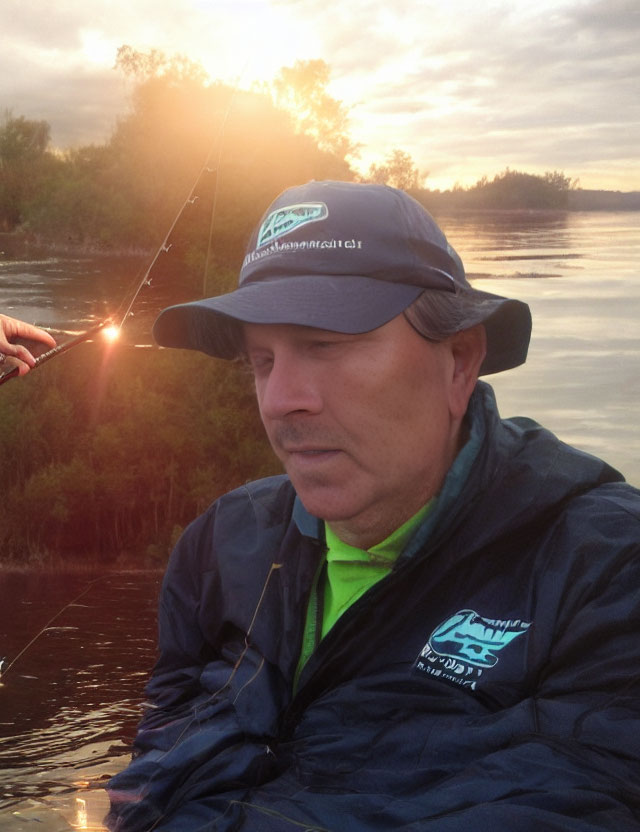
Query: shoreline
{"points": [[19, 242]]}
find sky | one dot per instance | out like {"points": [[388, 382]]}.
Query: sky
{"points": [[467, 88]]}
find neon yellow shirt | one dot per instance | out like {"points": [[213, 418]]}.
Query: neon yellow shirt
{"points": [[349, 573]]}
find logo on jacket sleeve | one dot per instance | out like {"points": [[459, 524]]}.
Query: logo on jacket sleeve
{"points": [[465, 644], [284, 220]]}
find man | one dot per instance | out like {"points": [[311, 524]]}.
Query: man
{"points": [[432, 621], [13, 352]]}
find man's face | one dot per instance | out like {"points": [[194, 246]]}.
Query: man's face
{"points": [[365, 425]]}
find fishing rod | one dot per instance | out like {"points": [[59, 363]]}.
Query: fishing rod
{"points": [[41, 359], [191, 199], [109, 326], [164, 246]]}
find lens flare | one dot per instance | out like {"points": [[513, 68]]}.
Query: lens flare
{"points": [[111, 333]]}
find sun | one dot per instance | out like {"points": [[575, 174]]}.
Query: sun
{"points": [[96, 48], [259, 39]]}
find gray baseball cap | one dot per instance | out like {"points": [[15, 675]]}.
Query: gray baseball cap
{"points": [[345, 257]]}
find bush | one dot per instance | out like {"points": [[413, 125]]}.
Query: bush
{"points": [[104, 454]]}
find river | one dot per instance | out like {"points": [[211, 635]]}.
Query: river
{"points": [[70, 701], [580, 274], [69, 704]]}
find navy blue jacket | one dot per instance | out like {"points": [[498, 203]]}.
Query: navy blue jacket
{"points": [[490, 682]]}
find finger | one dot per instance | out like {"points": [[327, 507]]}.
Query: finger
{"points": [[36, 348], [8, 363], [12, 329], [33, 333], [21, 356]]}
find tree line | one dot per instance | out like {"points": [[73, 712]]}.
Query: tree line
{"points": [[122, 194]]}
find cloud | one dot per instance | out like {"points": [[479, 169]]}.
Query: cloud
{"points": [[556, 87], [466, 88]]}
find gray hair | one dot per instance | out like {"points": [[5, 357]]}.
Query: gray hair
{"points": [[436, 315]]}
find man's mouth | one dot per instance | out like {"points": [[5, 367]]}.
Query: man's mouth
{"points": [[311, 453], [311, 450]]}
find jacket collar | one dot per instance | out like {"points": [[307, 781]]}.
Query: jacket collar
{"points": [[308, 525]]}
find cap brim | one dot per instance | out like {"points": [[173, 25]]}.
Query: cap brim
{"points": [[338, 303], [507, 323], [508, 326]]}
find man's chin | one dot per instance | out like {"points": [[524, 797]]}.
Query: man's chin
{"points": [[323, 502]]}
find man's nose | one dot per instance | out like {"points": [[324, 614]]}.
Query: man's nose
{"points": [[289, 388]]}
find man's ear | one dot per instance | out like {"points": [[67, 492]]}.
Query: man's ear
{"points": [[468, 349]]}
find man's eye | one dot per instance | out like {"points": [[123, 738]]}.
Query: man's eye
{"points": [[324, 346], [260, 363]]}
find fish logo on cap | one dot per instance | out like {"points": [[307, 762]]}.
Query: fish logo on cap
{"points": [[283, 221]]}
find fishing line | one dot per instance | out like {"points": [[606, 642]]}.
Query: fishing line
{"points": [[164, 247], [234, 670], [191, 199], [122, 317], [51, 620]]}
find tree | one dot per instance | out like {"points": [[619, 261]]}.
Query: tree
{"points": [[21, 138], [154, 63], [513, 189], [97, 464], [560, 182], [183, 136], [398, 170], [180, 122], [23, 166], [301, 89]]}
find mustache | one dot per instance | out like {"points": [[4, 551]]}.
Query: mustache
{"points": [[290, 434]]}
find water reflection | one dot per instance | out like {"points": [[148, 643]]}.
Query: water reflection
{"points": [[70, 703], [71, 295], [581, 378], [497, 244]]}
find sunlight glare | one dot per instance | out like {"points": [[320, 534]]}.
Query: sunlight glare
{"points": [[96, 48], [259, 39], [111, 332]]}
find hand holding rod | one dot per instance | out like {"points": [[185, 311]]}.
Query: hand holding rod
{"points": [[56, 351]]}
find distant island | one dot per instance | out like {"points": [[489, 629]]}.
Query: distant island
{"points": [[589, 200], [518, 191], [577, 199]]}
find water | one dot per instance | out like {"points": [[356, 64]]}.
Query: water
{"points": [[66, 294], [69, 706], [70, 703], [71, 294], [580, 274]]}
